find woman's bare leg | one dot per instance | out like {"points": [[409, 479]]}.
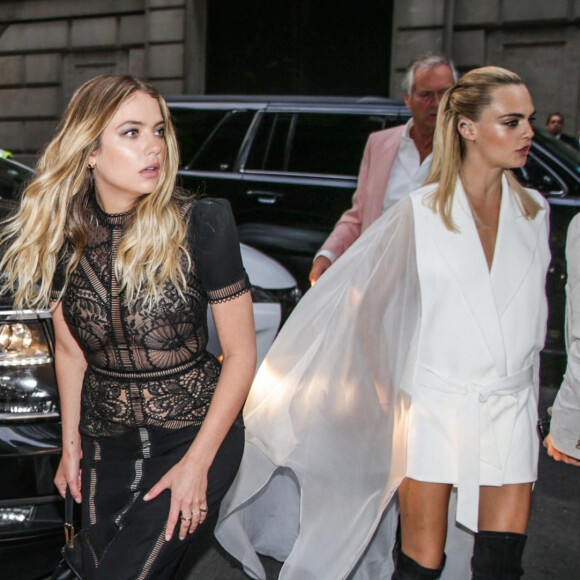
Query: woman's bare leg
{"points": [[505, 508], [424, 508]]}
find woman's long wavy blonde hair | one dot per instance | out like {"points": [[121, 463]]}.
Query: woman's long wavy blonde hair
{"points": [[54, 212], [467, 98]]}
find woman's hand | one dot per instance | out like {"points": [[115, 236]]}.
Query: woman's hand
{"points": [[321, 264], [558, 455], [68, 475], [187, 482]]}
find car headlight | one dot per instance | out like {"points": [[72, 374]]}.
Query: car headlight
{"points": [[286, 297], [15, 515], [27, 381]]}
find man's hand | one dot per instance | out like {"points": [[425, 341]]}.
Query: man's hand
{"points": [[558, 455], [321, 264]]}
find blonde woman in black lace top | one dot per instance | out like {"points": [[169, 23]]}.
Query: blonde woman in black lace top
{"points": [[151, 435]]}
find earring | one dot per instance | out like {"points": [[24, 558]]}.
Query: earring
{"points": [[463, 125], [91, 167]]}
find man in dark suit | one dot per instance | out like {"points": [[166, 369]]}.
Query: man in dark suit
{"points": [[555, 125]]}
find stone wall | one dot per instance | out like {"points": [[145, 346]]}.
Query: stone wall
{"points": [[538, 39], [49, 47]]}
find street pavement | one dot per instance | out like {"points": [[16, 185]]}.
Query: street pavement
{"points": [[553, 547]]}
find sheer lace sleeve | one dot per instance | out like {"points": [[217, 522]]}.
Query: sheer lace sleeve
{"points": [[217, 250]]}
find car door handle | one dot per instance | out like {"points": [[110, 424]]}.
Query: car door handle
{"points": [[266, 197]]}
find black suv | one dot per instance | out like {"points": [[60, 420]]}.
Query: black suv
{"points": [[30, 442], [289, 167], [553, 168]]}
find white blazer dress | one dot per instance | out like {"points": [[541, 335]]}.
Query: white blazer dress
{"points": [[408, 324], [474, 393]]}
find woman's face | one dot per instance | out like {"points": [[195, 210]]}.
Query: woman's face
{"points": [[503, 135], [131, 153]]}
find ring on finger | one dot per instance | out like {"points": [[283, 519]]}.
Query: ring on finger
{"points": [[203, 510], [185, 519]]}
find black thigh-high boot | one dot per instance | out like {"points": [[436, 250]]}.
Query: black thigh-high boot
{"points": [[498, 556], [407, 569]]}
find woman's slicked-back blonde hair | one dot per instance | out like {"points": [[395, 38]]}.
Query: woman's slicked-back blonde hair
{"points": [[54, 208], [467, 98]]}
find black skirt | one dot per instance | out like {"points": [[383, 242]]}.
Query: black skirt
{"points": [[126, 535]]}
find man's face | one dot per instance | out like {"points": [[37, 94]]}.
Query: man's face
{"points": [[428, 89], [555, 125]]}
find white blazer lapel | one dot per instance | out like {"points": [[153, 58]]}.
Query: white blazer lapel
{"points": [[516, 244], [464, 255]]}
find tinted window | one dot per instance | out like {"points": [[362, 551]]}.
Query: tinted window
{"points": [[552, 167], [319, 143], [536, 176], [270, 146], [209, 140], [564, 153]]}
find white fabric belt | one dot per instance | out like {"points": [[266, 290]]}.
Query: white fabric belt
{"points": [[469, 439]]}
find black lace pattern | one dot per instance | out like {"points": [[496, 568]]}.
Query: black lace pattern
{"points": [[151, 367]]}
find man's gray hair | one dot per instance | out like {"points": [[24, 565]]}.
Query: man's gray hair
{"points": [[427, 60]]}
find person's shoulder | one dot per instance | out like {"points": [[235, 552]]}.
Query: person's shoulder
{"points": [[572, 246], [387, 134], [538, 198], [574, 226], [212, 214], [420, 200], [210, 205], [403, 207], [422, 192], [510, 183]]}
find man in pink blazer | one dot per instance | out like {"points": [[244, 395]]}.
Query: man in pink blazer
{"points": [[396, 161]]}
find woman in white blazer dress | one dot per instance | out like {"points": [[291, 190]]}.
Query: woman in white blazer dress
{"points": [[481, 257], [411, 365]]}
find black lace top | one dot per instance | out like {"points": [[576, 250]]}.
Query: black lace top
{"points": [[150, 368]]}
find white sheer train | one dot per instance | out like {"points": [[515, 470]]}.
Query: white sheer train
{"points": [[326, 423]]}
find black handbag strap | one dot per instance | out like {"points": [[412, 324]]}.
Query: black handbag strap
{"points": [[69, 529]]}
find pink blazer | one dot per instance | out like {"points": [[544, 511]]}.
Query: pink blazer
{"points": [[367, 202]]}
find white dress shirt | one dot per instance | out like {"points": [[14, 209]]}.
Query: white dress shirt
{"points": [[408, 172]]}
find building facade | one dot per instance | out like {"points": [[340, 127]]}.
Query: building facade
{"points": [[538, 39], [49, 47]]}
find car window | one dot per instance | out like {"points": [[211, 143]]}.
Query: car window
{"points": [[552, 167], [536, 175], [560, 150], [270, 144], [315, 143], [209, 140]]}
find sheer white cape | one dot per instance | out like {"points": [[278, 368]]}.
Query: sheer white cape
{"points": [[326, 419]]}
